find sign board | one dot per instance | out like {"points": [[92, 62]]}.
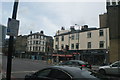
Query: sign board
{"points": [[13, 27]]}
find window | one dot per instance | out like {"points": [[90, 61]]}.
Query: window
{"points": [[36, 42], [43, 73], [33, 42], [59, 75], [30, 48], [101, 44], [72, 46], [39, 42], [43, 49], [39, 48], [34, 36], [77, 45], [40, 37], [62, 46], [37, 36], [77, 36], [56, 46], [36, 48], [89, 35], [57, 38], [72, 37], [33, 48], [101, 33], [62, 39], [115, 65], [89, 45]]}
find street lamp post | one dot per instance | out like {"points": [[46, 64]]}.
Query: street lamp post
{"points": [[58, 48], [78, 57]]}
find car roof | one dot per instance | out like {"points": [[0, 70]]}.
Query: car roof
{"points": [[77, 61], [75, 72]]}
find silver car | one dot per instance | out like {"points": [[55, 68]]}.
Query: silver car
{"points": [[113, 69]]}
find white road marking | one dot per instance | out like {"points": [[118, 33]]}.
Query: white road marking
{"points": [[23, 71]]}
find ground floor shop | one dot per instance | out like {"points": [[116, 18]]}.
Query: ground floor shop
{"points": [[95, 57], [33, 55]]}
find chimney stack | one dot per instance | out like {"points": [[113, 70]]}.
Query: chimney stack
{"points": [[41, 32], [72, 28]]}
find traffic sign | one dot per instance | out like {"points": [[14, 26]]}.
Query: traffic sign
{"points": [[13, 27]]}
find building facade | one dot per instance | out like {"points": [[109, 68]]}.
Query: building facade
{"points": [[112, 20], [87, 44], [39, 46], [20, 46], [2, 36]]}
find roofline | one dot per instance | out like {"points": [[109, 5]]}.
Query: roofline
{"points": [[80, 31]]}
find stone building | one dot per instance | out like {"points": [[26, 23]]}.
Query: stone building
{"points": [[111, 19], [2, 37], [88, 44], [20, 45], [39, 46]]}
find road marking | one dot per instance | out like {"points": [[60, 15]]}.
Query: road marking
{"points": [[23, 71]]}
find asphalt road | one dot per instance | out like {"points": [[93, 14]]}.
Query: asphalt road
{"points": [[21, 67]]}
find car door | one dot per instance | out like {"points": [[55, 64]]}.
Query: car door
{"points": [[114, 68]]}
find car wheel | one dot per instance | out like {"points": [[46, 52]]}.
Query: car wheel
{"points": [[102, 71]]}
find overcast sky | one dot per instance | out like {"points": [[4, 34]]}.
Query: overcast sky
{"points": [[50, 16]]}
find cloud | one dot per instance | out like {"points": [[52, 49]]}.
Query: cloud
{"points": [[49, 17]]}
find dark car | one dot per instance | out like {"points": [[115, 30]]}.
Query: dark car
{"points": [[61, 73], [77, 63]]}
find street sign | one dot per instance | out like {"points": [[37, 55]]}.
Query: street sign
{"points": [[13, 26]]}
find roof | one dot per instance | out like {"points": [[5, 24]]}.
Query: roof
{"points": [[79, 31], [39, 34]]}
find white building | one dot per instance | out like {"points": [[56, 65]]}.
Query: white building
{"points": [[38, 43], [82, 43]]}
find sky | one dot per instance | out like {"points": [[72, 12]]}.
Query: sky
{"points": [[51, 16]]}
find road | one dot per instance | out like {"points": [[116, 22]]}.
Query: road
{"points": [[21, 67]]}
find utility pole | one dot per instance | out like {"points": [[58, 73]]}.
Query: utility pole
{"points": [[57, 57], [78, 55], [11, 42]]}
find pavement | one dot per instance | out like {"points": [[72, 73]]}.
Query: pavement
{"points": [[0, 66]]}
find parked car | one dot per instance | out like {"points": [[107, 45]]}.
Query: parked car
{"points": [[77, 63], [61, 73], [113, 69]]}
